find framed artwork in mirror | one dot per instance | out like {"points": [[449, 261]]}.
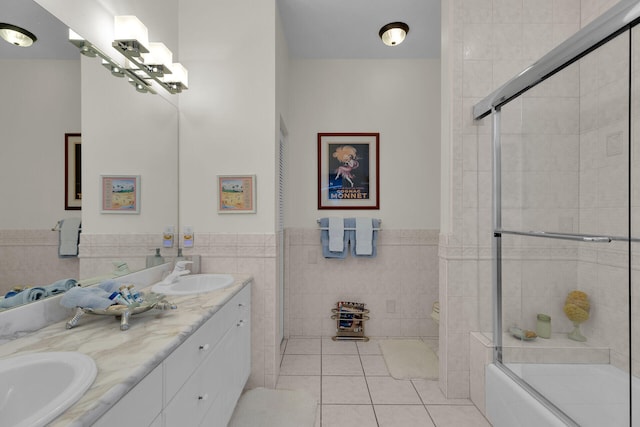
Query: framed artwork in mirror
{"points": [[348, 171], [72, 171], [120, 194], [236, 194]]}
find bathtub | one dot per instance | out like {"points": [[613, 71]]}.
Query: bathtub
{"points": [[591, 394]]}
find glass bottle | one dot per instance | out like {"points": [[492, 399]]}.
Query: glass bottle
{"points": [[543, 326]]}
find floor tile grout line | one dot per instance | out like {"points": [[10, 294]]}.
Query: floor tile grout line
{"points": [[321, 382], [364, 373], [424, 405]]}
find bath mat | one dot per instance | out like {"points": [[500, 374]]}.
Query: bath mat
{"points": [[409, 359], [283, 408]]}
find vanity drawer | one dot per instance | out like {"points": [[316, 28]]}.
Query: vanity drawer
{"points": [[205, 389], [185, 359], [181, 364]]}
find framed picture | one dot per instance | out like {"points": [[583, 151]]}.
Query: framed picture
{"points": [[120, 194], [348, 171], [236, 194], [72, 171]]}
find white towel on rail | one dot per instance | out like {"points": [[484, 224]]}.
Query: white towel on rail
{"points": [[336, 234], [69, 237], [364, 236]]}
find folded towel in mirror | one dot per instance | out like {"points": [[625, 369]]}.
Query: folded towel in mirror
{"points": [[23, 297], [60, 286]]}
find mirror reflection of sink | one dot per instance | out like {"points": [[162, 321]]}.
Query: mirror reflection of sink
{"points": [[36, 388], [195, 284]]}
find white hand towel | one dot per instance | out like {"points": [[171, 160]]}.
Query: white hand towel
{"points": [[364, 236], [69, 235], [336, 234]]}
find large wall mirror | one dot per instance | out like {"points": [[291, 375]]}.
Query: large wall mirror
{"points": [[51, 90]]}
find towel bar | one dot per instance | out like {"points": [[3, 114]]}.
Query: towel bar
{"points": [[57, 227], [349, 228]]}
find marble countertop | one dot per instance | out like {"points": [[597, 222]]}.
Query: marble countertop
{"points": [[123, 358]]}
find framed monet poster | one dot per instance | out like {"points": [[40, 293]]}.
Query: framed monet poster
{"points": [[348, 171]]}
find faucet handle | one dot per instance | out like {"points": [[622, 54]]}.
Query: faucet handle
{"points": [[181, 265]]}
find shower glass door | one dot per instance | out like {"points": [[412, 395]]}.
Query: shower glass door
{"points": [[634, 224], [563, 230]]}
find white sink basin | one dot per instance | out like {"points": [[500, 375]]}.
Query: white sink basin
{"points": [[36, 388], [195, 284]]}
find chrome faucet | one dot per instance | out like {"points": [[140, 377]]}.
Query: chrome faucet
{"points": [[178, 270]]}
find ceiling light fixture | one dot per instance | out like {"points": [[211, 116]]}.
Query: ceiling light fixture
{"points": [[394, 33], [17, 36]]}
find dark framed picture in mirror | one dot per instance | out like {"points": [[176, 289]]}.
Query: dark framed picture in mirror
{"points": [[72, 171]]}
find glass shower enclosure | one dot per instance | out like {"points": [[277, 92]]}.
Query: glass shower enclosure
{"points": [[566, 224]]}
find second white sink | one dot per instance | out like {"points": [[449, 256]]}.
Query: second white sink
{"points": [[35, 388], [195, 284]]}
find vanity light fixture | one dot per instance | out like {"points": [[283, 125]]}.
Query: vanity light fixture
{"points": [[86, 48], [148, 61], [131, 34], [178, 80], [159, 59], [17, 36], [394, 33]]}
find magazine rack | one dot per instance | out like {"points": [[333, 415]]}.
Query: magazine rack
{"points": [[350, 318]]}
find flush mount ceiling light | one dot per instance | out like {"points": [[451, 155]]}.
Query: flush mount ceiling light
{"points": [[16, 36], [394, 33]]}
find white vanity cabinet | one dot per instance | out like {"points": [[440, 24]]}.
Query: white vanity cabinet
{"points": [[140, 407], [200, 382], [213, 366]]}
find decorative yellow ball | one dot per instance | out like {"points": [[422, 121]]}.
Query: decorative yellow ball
{"points": [[577, 306], [575, 313]]}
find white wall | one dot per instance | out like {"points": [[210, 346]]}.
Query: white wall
{"points": [[398, 98], [32, 126], [228, 115], [228, 125]]}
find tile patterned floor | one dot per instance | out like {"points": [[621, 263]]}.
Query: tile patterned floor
{"points": [[353, 387]]}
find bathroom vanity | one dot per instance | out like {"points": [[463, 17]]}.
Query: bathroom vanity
{"points": [[178, 367]]}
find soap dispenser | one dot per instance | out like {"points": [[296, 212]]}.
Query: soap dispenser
{"points": [[153, 260]]}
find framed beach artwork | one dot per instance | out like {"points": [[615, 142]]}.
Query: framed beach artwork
{"points": [[120, 194], [236, 194], [72, 171], [348, 171]]}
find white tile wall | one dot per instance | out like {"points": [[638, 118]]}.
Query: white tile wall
{"points": [[30, 258], [399, 285], [565, 167], [520, 32]]}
